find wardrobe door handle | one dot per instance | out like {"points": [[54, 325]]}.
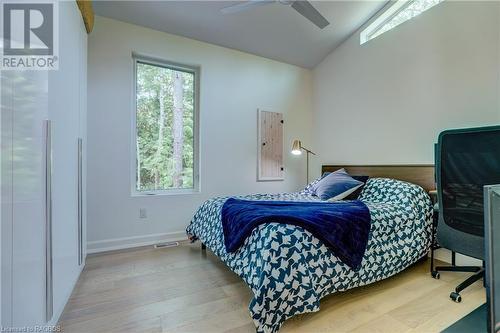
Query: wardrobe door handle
{"points": [[80, 202], [48, 222]]}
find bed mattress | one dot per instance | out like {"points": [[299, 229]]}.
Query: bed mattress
{"points": [[289, 270]]}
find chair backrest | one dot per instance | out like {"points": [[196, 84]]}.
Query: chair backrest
{"points": [[466, 160]]}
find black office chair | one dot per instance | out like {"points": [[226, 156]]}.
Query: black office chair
{"points": [[466, 160]]}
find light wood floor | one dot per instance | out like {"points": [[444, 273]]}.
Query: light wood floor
{"points": [[184, 290]]}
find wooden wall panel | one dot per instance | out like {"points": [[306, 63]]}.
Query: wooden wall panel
{"points": [[270, 146]]}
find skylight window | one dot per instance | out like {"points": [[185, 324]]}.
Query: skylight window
{"points": [[401, 11]]}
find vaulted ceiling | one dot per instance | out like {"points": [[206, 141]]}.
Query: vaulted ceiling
{"points": [[274, 31]]}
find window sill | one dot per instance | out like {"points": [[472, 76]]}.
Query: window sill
{"points": [[165, 193]]}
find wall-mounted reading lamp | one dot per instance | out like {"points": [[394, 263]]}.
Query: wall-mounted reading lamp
{"points": [[297, 150]]}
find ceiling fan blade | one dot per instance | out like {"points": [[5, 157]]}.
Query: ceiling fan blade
{"points": [[244, 6], [307, 10]]}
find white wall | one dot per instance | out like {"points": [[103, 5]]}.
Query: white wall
{"points": [[233, 85], [386, 101]]}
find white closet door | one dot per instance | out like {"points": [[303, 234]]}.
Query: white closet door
{"points": [[6, 182], [64, 110], [28, 99], [28, 108]]}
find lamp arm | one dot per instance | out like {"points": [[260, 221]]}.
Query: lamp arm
{"points": [[307, 150]]}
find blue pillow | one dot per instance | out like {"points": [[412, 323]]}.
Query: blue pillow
{"points": [[354, 195], [309, 188], [336, 186]]}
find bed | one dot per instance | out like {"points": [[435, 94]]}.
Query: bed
{"points": [[289, 270]]}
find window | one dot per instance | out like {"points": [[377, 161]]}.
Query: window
{"points": [[165, 127], [399, 12]]}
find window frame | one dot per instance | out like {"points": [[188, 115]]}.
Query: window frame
{"points": [[193, 69], [388, 13]]}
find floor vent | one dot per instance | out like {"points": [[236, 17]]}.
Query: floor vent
{"points": [[167, 244]]}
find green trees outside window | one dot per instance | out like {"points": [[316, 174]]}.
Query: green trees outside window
{"points": [[164, 128]]}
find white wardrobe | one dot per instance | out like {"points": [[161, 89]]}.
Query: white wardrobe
{"points": [[43, 151]]}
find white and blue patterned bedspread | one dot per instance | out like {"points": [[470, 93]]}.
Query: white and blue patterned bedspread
{"points": [[289, 270]]}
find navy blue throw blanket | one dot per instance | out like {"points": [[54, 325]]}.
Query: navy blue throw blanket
{"points": [[342, 226]]}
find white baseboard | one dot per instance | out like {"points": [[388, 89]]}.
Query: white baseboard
{"points": [[461, 260], [134, 241]]}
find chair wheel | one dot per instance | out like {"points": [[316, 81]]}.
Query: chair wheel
{"points": [[435, 275], [456, 297]]}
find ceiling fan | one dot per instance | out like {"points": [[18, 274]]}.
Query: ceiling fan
{"points": [[304, 8]]}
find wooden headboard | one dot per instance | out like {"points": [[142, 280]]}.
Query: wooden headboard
{"points": [[420, 174]]}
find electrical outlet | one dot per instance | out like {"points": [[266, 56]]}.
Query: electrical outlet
{"points": [[143, 213]]}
